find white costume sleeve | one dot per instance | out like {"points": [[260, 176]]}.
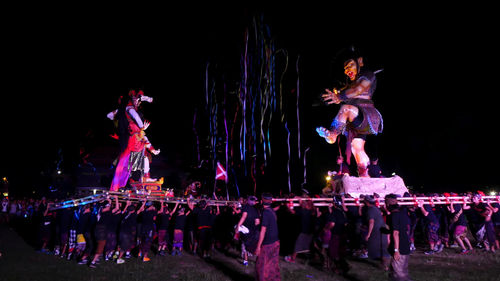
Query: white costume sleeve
{"points": [[136, 116], [112, 114], [148, 144]]}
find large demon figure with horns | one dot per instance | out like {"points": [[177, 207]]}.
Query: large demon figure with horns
{"points": [[357, 117]]}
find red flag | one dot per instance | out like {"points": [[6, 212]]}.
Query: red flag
{"points": [[221, 173]]}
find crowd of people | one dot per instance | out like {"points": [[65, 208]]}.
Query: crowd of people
{"points": [[114, 230]]}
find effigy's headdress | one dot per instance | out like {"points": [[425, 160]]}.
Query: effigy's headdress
{"points": [[346, 54], [133, 94], [343, 56]]}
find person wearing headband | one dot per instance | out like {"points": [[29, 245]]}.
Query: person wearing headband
{"points": [[399, 247], [149, 213], [376, 239], [250, 220]]}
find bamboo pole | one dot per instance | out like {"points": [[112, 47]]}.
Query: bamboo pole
{"points": [[140, 196]]}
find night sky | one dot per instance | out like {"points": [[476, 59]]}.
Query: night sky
{"points": [[64, 73]]}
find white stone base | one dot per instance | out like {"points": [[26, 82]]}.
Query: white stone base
{"points": [[382, 186]]}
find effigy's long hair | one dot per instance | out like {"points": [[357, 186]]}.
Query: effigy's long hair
{"points": [[121, 116]]}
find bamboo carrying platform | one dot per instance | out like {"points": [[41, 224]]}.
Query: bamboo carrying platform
{"points": [[403, 201], [167, 197], [138, 196]]}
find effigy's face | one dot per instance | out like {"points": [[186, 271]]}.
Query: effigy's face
{"points": [[351, 69], [137, 102]]}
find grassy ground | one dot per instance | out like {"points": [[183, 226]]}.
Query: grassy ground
{"points": [[21, 262]]}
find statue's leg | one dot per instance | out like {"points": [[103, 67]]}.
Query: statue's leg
{"points": [[362, 159], [347, 113], [147, 175]]}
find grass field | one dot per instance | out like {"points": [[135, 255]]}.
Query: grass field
{"points": [[21, 262]]}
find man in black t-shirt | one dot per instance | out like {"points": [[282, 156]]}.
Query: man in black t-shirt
{"points": [[84, 233], [459, 225], [64, 220], [336, 223], [431, 228], [305, 214], [480, 222], [106, 223], [268, 247], [45, 230], [376, 237], [495, 218], [100, 231], [354, 229], [205, 219], [148, 212], [128, 231], [250, 219], [399, 224], [162, 226], [180, 226], [374, 170], [489, 226]]}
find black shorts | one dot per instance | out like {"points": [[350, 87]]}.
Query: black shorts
{"points": [[100, 233], [205, 238], [127, 240]]}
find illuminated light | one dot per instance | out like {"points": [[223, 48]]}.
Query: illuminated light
{"points": [[493, 193], [59, 172], [393, 174], [4, 178], [94, 191], [328, 178], [5, 194]]}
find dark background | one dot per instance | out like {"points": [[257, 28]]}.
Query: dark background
{"points": [[64, 70]]}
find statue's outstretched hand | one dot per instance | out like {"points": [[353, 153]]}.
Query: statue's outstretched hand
{"points": [[331, 96]]}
